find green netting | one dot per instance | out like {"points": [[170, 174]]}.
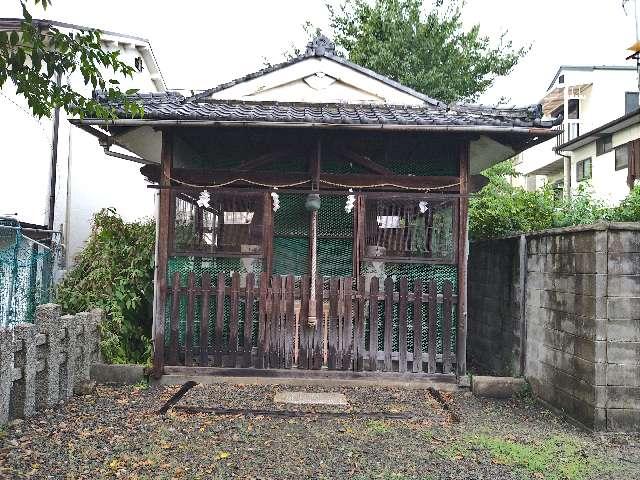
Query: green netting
{"points": [[25, 274], [425, 272], [197, 265]]}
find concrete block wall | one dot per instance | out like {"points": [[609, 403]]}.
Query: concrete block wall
{"points": [[41, 362], [494, 308], [581, 318]]}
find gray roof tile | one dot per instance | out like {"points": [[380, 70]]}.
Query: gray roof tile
{"points": [[174, 106]]}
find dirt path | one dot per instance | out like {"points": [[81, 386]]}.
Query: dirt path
{"points": [[116, 434]]}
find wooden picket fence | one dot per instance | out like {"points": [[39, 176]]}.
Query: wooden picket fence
{"points": [[264, 325]]}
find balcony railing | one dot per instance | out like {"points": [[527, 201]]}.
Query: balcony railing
{"points": [[570, 130]]}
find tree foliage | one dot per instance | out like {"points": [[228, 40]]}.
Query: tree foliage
{"points": [[33, 59], [114, 272], [429, 51]]}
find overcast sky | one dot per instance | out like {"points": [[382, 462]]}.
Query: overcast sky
{"points": [[201, 43]]}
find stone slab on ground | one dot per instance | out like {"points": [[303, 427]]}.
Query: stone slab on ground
{"points": [[306, 398], [496, 387], [117, 374]]}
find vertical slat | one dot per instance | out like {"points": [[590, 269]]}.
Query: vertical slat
{"points": [[188, 334], [290, 322], [373, 323], [417, 326], [175, 318], [358, 336], [388, 324], [303, 336], [274, 322], [217, 339], [333, 323], [233, 320], [247, 341], [204, 320], [262, 323], [433, 318], [347, 324], [318, 331], [402, 325], [446, 327]]}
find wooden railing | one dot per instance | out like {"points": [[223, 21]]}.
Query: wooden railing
{"points": [[265, 325]]}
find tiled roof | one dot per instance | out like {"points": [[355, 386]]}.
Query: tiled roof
{"points": [[174, 106]]}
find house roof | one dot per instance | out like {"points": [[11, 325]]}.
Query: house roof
{"points": [[614, 126], [173, 106], [322, 47], [13, 24], [586, 68]]}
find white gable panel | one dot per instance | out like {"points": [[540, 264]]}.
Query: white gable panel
{"points": [[354, 85], [301, 91]]}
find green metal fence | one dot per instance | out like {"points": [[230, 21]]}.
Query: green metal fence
{"points": [[26, 278]]}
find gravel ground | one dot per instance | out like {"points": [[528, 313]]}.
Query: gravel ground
{"points": [[116, 434]]}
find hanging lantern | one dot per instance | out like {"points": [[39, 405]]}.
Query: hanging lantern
{"points": [[312, 204], [204, 199], [423, 206], [351, 201]]}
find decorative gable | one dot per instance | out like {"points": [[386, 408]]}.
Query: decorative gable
{"points": [[318, 76]]}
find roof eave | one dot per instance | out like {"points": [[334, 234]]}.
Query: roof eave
{"points": [[533, 131], [592, 135]]}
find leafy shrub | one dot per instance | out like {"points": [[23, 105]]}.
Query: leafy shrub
{"points": [[114, 272], [580, 209], [501, 209]]}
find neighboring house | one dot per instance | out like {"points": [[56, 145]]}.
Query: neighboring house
{"points": [[314, 166], [586, 97], [607, 157], [86, 178]]}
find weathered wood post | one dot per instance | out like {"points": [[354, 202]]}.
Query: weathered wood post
{"points": [[163, 238], [463, 253]]}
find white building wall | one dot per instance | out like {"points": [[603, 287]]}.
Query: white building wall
{"points": [[602, 102], [607, 183], [87, 180]]}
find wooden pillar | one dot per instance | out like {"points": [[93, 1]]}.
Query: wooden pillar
{"points": [[463, 253], [267, 233], [358, 235], [163, 239]]}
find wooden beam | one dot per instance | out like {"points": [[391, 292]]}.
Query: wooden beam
{"points": [[362, 181], [463, 252], [366, 162], [163, 239], [265, 159]]}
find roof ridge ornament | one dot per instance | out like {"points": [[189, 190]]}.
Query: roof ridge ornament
{"points": [[321, 45]]}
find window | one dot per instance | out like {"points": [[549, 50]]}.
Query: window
{"points": [[574, 108], [622, 156], [560, 79], [631, 100], [604, 144], [231, 225], [583, 169], [407, 228], [139, 64]]}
